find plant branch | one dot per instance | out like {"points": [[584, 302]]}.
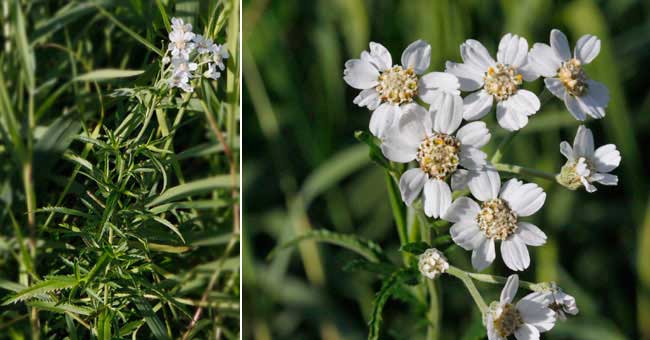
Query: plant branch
{"points": [[520, 170], [469, 284]]}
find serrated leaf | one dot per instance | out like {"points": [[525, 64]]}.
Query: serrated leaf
{"points": [[388, 287], [107, 74], [415, 248], [367, 249], [51, 284]]}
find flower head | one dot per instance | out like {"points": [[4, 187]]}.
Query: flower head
{"points": [[219, 54], [212, 72], [565, 74], [434, 140], [525, 320], [585, 165], [203, 45], [432, 263], [496, 81], [181, 39], [387, 87], [477, 227]]}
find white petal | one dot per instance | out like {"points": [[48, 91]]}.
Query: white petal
{"points": [[485, 185], [510, 289], [381, 56], [483, 255], [595, 100], [583, 144], [530, 234], [401, 140], [417, 55], [556, 87], [605, 179], [510, 187], [460, 178], [587, 48], [476, 55], [560, 45], [574, 107], [527, 332], [360, 74], [463, 209], [437, 198], [528, 71], [472, 158], [434, 82], [466, 234], [567, 150], [544, 60], [513, 50], [411, 184], [385, 116], [368, 97], [476, 105], [536, 313], [515, 254], [606, 158], [448, 115], [475, 134], [526, 199], [588, 186], [509, 117], [524, 101], [469, 77]]}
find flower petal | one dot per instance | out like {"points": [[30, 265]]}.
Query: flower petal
{"points": [[510, 289], [437, 198], [368, 97], [583, 144], [555, 86], [475, 134], [543, 60], [476, 105], [385, 116], [417, 55], [595, 100], [463, 209], [605, 179], [574, 107], [525, 101], [566, 150], [460, 178], [515, 254], [381, 57], [485, 184], [448, 115], [526, 332], [432, 84], [360, 74], [509, 117], [606, 158], [483, 255], [472, 158], [466, 234], [476, 55], [536, 313], [525, 199], [587, 48], [530, 234], [411, 184], [513, 50], [560, 45], [469, 77]]}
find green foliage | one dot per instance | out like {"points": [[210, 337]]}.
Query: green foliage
{"points": [[388, 287]]}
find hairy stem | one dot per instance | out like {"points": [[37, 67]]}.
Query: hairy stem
{"points": [[520, 170]]}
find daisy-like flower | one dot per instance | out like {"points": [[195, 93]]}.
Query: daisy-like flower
{"points": [[179, 25], [477, 227], [496, 81], [585, 165], [526, 319], [180, 80], [181, 39], [565, 76], [212, 72], [432, 263], [429, 139], [219, 54], [203, 45], [386, 87]]}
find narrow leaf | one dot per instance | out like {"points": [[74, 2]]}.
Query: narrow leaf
{"points": [[194, 188], [107, 74]]}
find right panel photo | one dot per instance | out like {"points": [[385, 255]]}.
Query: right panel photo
{"points": [[445, 170]]}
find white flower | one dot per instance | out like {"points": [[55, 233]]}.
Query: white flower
{"points": [[565, 76], [179, 25], [219, 54], [585, 165], [183, 66], [203, 45], [180, 80], [526, 319], [432, 263], [165, 60], [498, 81], [477, 227], [181, 39], [385, 87], [212, 72], [429, 139], [558, 301]]}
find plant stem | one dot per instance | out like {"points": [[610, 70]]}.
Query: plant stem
{"points": [[398, 212], [469, 284], [502, 280], [433, 331], [498, 154], [520, 170]]}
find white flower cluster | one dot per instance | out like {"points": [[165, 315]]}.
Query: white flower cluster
{"points": [[418, 117], [189, 52]]}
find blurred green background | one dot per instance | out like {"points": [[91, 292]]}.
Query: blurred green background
{"points": [[305, 170]]}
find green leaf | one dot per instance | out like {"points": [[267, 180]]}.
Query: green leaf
{"points": [[60, 307], [194, 188], [388, 287], [25, 50], [107, 74], [104, 325], [380, 268], [51, 284], [65, 211], [415, 248], [135, 36], [169, 225], [153, 322], [368, 249]]}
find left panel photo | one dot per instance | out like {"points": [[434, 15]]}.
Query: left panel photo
{"points": [[119, 169]]}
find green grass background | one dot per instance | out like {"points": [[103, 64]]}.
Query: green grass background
{"points": [[304, 169]]}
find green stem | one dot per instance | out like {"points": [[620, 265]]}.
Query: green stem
{"points": [[520, 170], [502, 280], [396, 206], [433, 332], [498, 154], [469, 284]]}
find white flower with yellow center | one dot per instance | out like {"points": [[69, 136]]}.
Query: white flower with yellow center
{"points": [[496, 81], [431, 139], [565, 76], [385, 87], [477, 227], [432, 263], [526, 319], [585, 165]]}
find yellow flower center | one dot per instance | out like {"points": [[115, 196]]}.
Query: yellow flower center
{"points": [[502, 81], [508, 321], [398, 85], [438, 155], [573, 77], [496, 219]]}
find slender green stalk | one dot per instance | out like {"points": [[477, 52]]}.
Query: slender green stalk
{"points": [[398, 213], [473, 291], [520, 170], [495, 279], [433, 332]]}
